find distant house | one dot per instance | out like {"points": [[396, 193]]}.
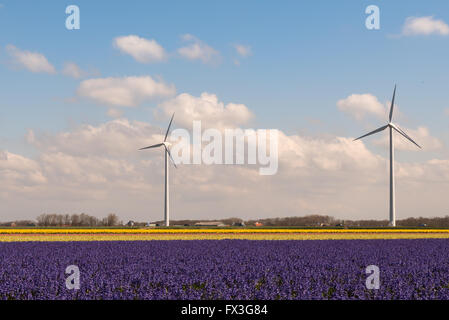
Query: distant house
{"points": [[210, 224], [423, 225], [238, 224], [258, 224], [130, 223]]}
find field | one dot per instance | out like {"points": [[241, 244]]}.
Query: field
{"points": [[224, 263], [134, 234], [228, 269]]}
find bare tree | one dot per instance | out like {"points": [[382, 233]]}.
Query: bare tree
{"points": [[112, 220], [75, 220]]}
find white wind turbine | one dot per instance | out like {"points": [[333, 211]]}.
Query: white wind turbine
{"points": [[396, 128], [166, 146]]}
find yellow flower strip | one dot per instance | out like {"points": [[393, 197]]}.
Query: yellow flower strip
{"points": [[216, 236], [216, 231]]}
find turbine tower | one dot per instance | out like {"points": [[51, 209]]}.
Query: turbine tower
{"points": [[392, 127], [166, 146]]}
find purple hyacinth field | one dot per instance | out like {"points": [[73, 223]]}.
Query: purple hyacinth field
{"points": [[226, 269]]}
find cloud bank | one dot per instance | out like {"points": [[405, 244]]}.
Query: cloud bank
{"points": [[424, 26], [32, 61], [125, 91], [207, 108], [198, 50], [141, 49], [362, 105], [97, 169], [72, 70]]}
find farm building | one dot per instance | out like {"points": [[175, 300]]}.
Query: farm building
{"points": [[238, 224], [210, 224]]}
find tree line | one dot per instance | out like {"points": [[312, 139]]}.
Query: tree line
{"points": [[328, 221], [85, 220], [72, 220], [77, 220]]}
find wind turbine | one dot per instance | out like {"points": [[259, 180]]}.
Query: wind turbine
{"points": [[166, 146], [392, 127]]}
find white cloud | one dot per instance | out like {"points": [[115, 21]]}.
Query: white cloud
{"points": [[198, 50], [360, 105], [89, 170], [71, 69], [337, 154], [207, 108], [243, 50], [98, 169], [421, 136], [32, 61], [115, 138], [125, 92], [424, 26], [141, 49], [18, 172]]}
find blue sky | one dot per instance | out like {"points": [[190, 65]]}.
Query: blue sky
{"points": [[306, 56]]}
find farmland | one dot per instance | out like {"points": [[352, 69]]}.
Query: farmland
{"points": [[136, 234], [227, 269], [223, 263]]}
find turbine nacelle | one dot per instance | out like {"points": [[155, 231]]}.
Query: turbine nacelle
{"points": [[165, 143], [390, 124]]}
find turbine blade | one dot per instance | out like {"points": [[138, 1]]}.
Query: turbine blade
{"points": [[373, 132], [171, 158], [153, 146], [392, 103], [168, 129], [402, 132]]}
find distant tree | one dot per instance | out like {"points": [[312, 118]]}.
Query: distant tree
{"points": [[66, 220], [59, 220], [83, 219], [231, 221], [112, 220], [75, 220], [43, 220]]}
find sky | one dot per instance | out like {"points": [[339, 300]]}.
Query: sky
{"points": [[75, 105]]}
